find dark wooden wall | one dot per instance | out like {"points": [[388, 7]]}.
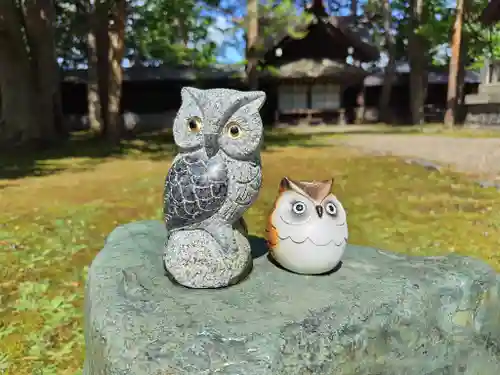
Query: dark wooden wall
{"points": [[156, 96], [435, 104], [163, 96], [137, 97]]}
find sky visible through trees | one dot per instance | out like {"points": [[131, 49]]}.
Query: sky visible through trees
{"points": [[236, 53]]}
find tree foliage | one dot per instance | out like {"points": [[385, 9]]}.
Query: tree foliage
{"points": [[171, 32], [431, 37], [157, 32], [276, 18], [437, 29], [71, 26]]}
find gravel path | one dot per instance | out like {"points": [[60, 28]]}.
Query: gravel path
{"points": [[479, 156]]}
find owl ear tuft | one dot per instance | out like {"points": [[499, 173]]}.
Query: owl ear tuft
{"points": [[189, 92], [256, 98], [330, 183], [284, 184]]}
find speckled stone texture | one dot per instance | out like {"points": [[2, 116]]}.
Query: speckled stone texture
{"points": [[209, 267], [213, 180], [380, 313]]}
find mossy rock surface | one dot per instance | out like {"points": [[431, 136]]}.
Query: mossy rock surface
{"points": [[380, 313]]}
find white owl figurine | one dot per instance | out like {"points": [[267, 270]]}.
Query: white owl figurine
{"points": [[307, 228]]}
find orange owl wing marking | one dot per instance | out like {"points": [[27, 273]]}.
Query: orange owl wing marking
{"points": [[271, 232], [272, 238]]}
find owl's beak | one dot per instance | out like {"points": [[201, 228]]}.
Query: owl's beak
{"points": [[319, 210], [211, 144]]}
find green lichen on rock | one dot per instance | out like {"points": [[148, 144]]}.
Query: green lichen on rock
{"points": [[380, 313]]}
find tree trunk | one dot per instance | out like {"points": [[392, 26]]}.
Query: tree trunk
{"points": [[106, 47], [390, 69], [451, 104], [417, 53], [251, 48], [115, 55], [94, 109], [354, 8], [462, 65], [20, 122], [463, 61], [102, 10], [39, 24]]}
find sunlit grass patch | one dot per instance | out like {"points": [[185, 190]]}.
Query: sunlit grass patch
{"points": [[51, 227]]}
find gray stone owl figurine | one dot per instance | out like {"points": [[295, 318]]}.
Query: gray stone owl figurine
{"points": [[213, 180]]}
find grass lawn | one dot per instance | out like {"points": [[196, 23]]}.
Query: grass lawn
{"points": [[472, 133], [421, 130], [57, 208]]}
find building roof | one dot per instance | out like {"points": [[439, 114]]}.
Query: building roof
{"points": [[435, 75], [357, 37], [304, 68], [491, 14], [159, 73], [310, 68]]}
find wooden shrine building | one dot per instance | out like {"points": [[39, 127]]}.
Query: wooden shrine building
{"points": [[315, 78], [318, 77]]}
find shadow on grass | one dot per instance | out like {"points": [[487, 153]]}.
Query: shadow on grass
{"points": [[82, 152], [6, 186]]}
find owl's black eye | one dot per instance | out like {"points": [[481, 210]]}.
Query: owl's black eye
{"points": [[331, 209], [299, 208], [194, 124], [234, 130]]}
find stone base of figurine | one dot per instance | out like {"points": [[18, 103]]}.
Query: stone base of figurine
{"points": [[379, 313], [186, 265]]}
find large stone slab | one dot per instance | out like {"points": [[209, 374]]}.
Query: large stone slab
{"points": [[380, 313], [482, 110]]}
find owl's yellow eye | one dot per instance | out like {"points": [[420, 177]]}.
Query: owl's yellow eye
{"points": [[234, 130], [194, 124]]}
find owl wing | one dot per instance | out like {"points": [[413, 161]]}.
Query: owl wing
{"points": [[271, 232], [296, 233], [245, 186], [272, 238], [191, 193]]}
